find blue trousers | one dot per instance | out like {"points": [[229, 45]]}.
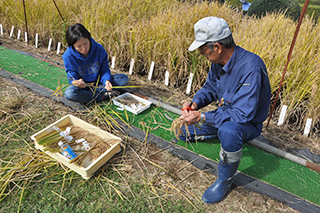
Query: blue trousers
{"points": [[85, 95], [231, 134]]}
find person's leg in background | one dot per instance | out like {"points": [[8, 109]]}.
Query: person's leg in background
{"points": [[82, 95], [86, 95]]}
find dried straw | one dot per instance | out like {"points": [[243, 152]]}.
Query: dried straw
{"points": [[176, 126], [99, 145], [128, 100]]}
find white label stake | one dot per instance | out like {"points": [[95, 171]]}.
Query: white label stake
{"points": [[113, 62], [58, 48], [282, 115], [166, 81], [37, 36], [307, 127], [131, 66], [19, 32], [25, 36], [1, 29], [11, 33], [151, 70], [189, 83], [49, 45]]}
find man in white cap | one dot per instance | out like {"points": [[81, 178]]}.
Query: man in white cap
{"points": [[239, 83]]}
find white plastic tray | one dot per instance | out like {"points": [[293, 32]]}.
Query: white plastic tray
{"points": [[90, 167], [142, 106]]}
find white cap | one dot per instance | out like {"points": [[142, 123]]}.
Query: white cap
{"points": [[209, 29]]}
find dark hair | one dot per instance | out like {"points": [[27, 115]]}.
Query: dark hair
{"points": [[227, 42], [75, 32]]}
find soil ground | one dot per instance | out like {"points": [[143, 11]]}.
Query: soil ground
{"points": [[240, 198]]}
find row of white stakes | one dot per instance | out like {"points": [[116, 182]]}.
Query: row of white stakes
{"points": [[167, 74], [282, 117], [26, 38], [283, 110]]}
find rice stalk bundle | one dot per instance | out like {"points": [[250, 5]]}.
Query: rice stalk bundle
{"points": [[98, 145], [176, 126]]}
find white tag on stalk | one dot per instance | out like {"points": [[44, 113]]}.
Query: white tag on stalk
{"points": [[113, 62], [307, 127], [86, 145], [63, 134], [66, 135], [54, 128], [151, 70], [68, 130], [80, 140], [11, 33], [1, 29], [131, 66], [166, 81], [282, 115], [189, 83], [49, 45], [25, 36]]}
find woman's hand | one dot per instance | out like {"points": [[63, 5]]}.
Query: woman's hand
{"points": [[79, 83], [108, 86]]}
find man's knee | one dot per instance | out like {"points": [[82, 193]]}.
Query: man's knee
{"points": [[231, 136]]}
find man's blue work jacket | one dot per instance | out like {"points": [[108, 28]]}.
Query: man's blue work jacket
{"points": [[243, 84]]}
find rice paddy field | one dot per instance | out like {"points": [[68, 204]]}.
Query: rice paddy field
{"points": [[161, 31], [147, 31]]}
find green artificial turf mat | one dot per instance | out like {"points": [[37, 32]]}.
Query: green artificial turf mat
{"points": [[32, 69], [255, 162]]}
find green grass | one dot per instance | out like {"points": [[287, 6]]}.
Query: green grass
{"points": [[90, 196], [40, 184]]}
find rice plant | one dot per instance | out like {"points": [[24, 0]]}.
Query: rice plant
{"points": [[162, 30]]}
